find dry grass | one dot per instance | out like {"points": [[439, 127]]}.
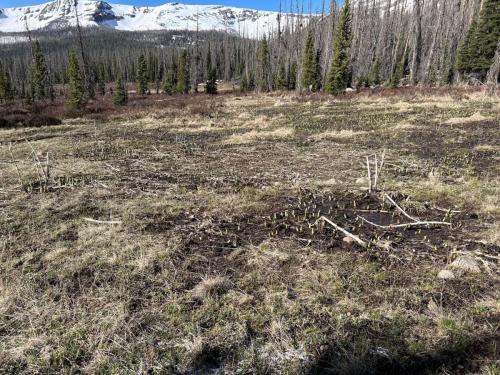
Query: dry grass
{"points": [[476, 117], [253, 136], [334, 134]]}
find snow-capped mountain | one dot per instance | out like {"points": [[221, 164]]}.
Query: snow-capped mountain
{"points": [[170, 16]]}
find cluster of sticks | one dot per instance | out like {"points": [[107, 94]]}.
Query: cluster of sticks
{"points": [[378, 170], [415, 222]]}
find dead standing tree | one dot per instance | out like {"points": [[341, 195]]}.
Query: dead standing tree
{"points": [[87, 73], [492, 76]]}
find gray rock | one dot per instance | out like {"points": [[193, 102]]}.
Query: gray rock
{"points": [[466, 263], [446, 275]]}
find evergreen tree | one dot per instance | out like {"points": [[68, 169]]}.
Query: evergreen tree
{"points": [[211, 82], [292, 76], [397, 74], [281, 82], [487, 36], [264, 66], [317, 73], [339, 71], [38, 73], [374, 76], [168, 83], [465, 52], [244, 83], [3, 84], [478, 48], [251, 81], [309, 69], [101, 81], [120, 96], [141, 77], [76, 98], [6, 92], [183, 74]]}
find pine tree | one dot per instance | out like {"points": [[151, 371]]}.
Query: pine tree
{"points": [[168, 83], [101, 81], [465, 52], [244, 83], [309, 69], [6, 92], [487, 36], [183, 74], [38, 73], [374, 76], [3, 85], [339, 71], [251, 81], [263, 77], [76, 98], [478, 48], [141, 76], [397, 74], [211, 82], [317, 72], [292, 76], [120, 96], [281, 82]]}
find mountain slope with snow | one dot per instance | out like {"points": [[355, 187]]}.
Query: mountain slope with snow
{"points": [[170, 16]]}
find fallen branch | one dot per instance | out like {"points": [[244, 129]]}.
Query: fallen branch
{"points": [[447, 210], [407, 225], [101, 221], [358, 240], [401, 210]]}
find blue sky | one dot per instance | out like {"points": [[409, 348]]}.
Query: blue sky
{"points": [[256, 4]]}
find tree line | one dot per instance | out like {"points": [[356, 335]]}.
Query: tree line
{"points": [[363, 43]]}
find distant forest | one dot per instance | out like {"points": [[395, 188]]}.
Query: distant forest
{"points": [[362, 43]]}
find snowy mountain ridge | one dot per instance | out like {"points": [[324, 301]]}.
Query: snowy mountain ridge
{"points": [[170, 16]]}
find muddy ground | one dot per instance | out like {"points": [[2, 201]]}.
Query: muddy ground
{"points": [[186, 236]]}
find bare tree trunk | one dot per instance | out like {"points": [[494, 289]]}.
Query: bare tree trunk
{"points": [[493, 72], [87, 75], [417, 43], [437, 28]]}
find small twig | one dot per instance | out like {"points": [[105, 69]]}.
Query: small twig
{"points": [[38, 165], [358, 240], [447, 210], [101, 221], [15, 165], [47, 166], [401, 210], [379, 169], [369, 174], [407, 225]]}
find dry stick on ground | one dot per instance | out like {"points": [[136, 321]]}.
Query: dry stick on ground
{"points": [[407, 225], [447, 210], [15, 165], [101, 221], [401, 210], [358, 240], [369, 174]]}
